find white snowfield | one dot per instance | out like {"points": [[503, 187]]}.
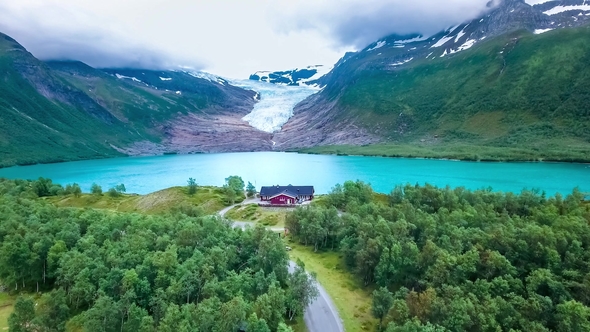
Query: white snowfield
{"points": [[401, 62], [379, 45], [276, 103], [442, 41], [540, 31], [166, 79], [561, 9], [127, 77], [207, 76], [321, 70]]}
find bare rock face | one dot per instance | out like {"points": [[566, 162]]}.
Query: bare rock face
{"points": [[201, 133], [220, 133], [315, 123]]}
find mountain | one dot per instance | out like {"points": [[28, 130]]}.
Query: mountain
{"points": [[57, 111], [504, 80], [295, 77]]}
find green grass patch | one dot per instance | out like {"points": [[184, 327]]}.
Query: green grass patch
{"points": [[297, 324], [6, 307], [253, 213], [209, 199], [352, 300], [566, 151]]}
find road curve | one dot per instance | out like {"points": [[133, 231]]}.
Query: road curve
{"points": [[321, 315]]}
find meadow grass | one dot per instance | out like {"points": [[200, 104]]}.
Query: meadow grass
{"points": [[210, 199], [6, 308], [461, 151], [351, 298], [261, 215]]}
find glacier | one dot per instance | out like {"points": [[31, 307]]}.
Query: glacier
{"points": [[276, 103]]}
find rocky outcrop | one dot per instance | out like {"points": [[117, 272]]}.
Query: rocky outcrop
{"points": [[315, 122]]}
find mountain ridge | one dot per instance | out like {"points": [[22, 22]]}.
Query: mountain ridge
{"points": [[405, 90], [66, 110], [514, 78]]}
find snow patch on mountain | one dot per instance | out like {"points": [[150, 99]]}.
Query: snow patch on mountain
{"points": [[467, 45], [536, 2], [379, 45], [442, 41], [540, 31], [294, 77], [561, 9], [166, 79], [208, 77], [127, 77], [276, 103], [461, 34], [402, 62]]}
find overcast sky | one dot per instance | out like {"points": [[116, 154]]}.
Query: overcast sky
{"points": [[232, 38]]}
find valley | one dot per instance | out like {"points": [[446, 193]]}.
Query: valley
{"points": [[444, 160], [509, 86]]}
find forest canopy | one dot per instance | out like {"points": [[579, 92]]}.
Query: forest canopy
{"points": [[447, 259], [107, 271]]}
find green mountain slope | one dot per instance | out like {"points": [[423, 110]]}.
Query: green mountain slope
{"points": [[44, 119], [58, 111], [517, 91]]}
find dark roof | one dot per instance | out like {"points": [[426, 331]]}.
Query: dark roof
{"points": [[293, 191]]}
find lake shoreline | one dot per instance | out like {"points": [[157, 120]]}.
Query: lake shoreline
{"points": [[151, 173], [311, 151]]}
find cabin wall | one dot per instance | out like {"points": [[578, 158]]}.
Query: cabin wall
{"points": [[282, 200]]}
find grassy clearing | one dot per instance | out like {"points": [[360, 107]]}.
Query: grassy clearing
{"points": [[265, 216], [566, 152], [298, 325], [352, 300], [210, 199], [6, 307]]}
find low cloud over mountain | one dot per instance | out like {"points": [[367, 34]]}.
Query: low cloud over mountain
{"points": [[358, 23], [54, 32]]}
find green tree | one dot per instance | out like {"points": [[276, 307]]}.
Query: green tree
{"points": [[250, 189], [102, 316], [284, 328], [257, 325], [121, 188], [230, 194], [302, 290], [76, 190], [96, 189], [112, 192], [382, 302], [21, 319], [236, 183], [42, 186], [572, 316], [232, 314], [192, 186], [53, 311]]}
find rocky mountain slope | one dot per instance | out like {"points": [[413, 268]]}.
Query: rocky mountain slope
{"points": [[503, 79], [60, 111]]}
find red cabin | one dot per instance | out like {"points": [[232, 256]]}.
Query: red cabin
{"points": [[287, 195]]}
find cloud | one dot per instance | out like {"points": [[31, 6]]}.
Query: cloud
{"points": [[227, 37], [359, 23], [54, 32]]}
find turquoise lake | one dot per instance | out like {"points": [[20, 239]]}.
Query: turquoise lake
{"points": [[143, 175]]}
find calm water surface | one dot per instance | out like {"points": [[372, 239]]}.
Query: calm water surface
{"points": [[143, 175]]}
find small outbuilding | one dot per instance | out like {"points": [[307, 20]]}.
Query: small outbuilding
{"points": [[286, 195]]}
